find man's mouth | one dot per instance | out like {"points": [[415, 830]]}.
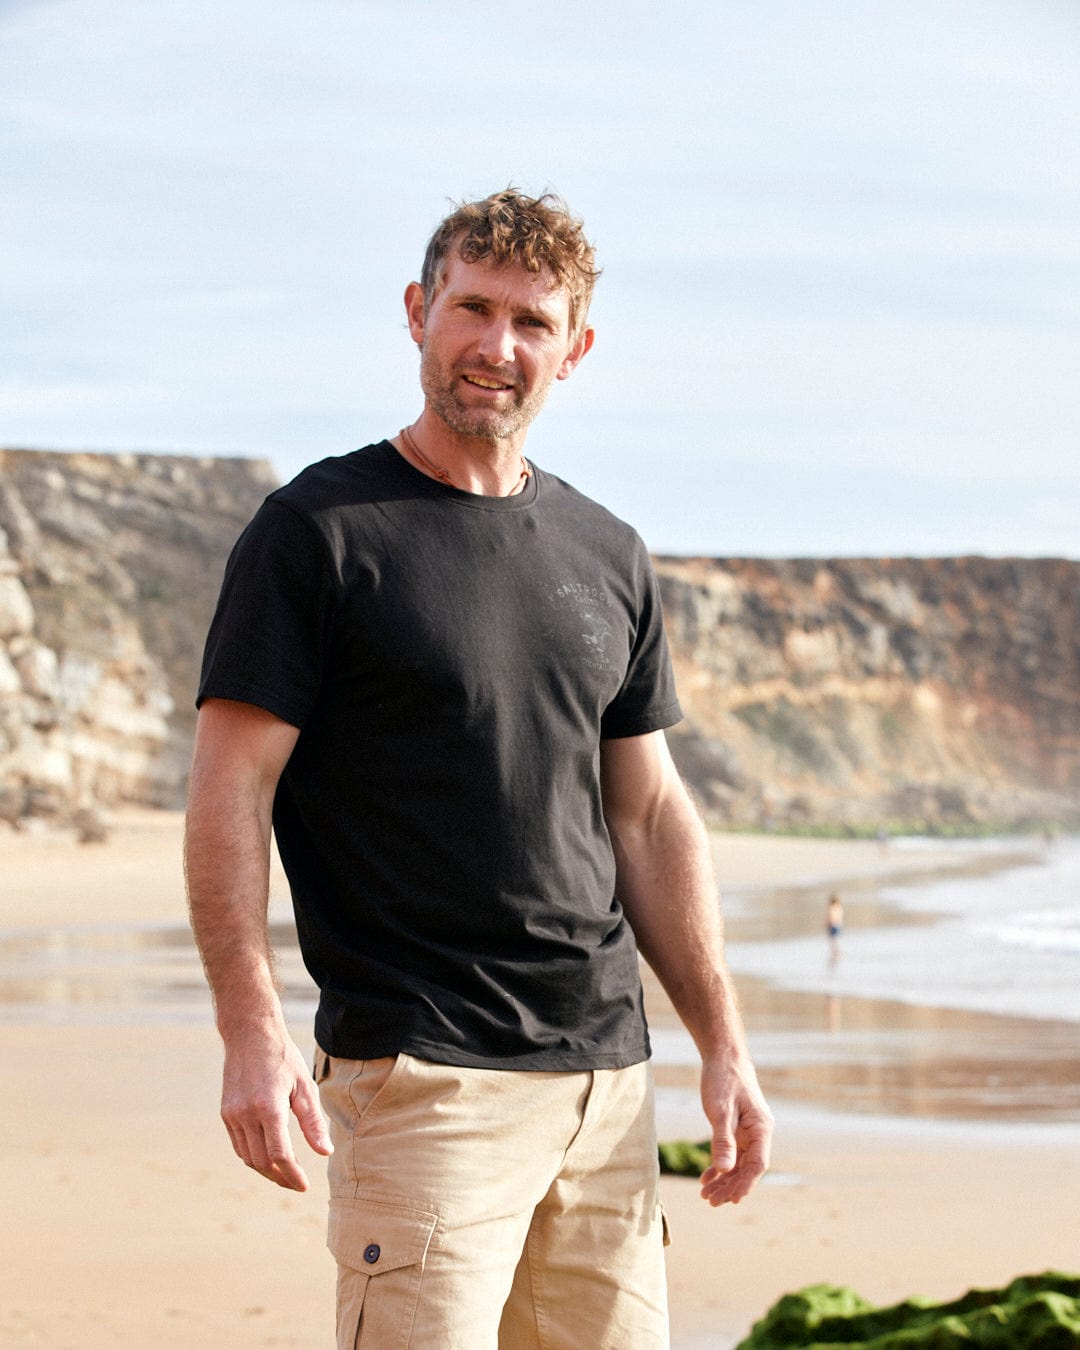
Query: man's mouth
{"points": [[482, 382]]}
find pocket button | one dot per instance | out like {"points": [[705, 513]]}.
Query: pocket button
{"points": [[372, 1253]]}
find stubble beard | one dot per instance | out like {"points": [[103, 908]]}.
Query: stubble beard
{"points": [[440, 388]]}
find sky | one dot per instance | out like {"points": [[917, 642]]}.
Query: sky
{"points": [[839, 312]]}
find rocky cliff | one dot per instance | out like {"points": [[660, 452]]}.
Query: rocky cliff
{"points": [[109, 566], [854, 693], [898, 692]]}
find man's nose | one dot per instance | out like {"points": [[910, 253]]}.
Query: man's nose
{"points": [[496, 345]]}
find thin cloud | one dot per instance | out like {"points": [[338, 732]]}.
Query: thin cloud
{"points": [[844, 240]]}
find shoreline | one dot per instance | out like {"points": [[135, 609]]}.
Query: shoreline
{"points": [[122, 1180]]}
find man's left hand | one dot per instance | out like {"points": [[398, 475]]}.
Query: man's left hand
{"points": [[742, 1131]]}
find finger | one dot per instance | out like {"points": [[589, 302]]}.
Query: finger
{"points": [[284, 1172], [266, 1149], [236, 1138], [725, 1153], [309, 1114], [247, 1142], [276, 1160], [721, 1187]]}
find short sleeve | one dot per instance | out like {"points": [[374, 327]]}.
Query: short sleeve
{"points": [[268, 638], [646, 700]]}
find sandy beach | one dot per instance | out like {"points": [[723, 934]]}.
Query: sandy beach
{"points": [[128, 1222]]}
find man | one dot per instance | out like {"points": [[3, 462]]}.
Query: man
{"points": [[441, 674]]}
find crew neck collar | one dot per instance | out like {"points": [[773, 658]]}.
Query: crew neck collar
{"points": [[458, 496]]}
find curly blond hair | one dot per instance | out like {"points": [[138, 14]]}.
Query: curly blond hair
{"points": [[509, 227]]}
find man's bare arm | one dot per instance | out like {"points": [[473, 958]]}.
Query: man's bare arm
{"points": [[240, 752], [667, 887]]}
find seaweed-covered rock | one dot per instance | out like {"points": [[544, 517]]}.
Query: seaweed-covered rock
{"points": [[1034, 1312], [683, 1159]]}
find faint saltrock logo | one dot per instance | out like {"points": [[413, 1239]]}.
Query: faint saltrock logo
{"points": [[591, 607]]}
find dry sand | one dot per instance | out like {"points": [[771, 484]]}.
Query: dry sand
{"points": [[128, 1223]]}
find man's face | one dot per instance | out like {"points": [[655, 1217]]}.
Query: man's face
{"points": [[492, 341]]}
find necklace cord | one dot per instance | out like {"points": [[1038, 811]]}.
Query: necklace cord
{"points": [[442, 475]]}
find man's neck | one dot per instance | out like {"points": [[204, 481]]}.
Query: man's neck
{"points": [[489, 468]]}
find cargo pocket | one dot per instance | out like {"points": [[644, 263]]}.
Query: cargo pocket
{"points": [[380, 1250]]}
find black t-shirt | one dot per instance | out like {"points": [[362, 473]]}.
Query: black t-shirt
{"points": [[452, 662]]}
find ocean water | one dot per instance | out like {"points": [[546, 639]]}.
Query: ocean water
{"points": [[1005, 942], [953, 995]]}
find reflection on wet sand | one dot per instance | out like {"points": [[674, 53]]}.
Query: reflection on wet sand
{"points": [[120, 973], [888, 1058], [851, 1054]]}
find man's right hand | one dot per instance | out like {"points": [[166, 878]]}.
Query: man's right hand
{"points": [[240, 753], [265, 1078]]}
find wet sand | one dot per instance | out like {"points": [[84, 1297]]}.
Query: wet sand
{"points": [[129, 1223]]}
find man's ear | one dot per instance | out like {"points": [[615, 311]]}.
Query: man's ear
{"points": [[576, 353], [415, 310]]}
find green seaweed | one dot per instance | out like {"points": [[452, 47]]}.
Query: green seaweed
{"points": [[683, 1159], [1034, 1312]]}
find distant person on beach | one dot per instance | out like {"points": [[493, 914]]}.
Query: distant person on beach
{"points": [[834, 922], [440, 674]]}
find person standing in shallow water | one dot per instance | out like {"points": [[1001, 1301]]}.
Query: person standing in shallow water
{"points": [[834, 923], [439, 674]]}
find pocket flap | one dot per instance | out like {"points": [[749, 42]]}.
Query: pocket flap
{"points": [[373, 1236]]}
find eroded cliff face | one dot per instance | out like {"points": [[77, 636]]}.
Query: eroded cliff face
{"points": [[862, 693], [941, 691], [109, 568]]}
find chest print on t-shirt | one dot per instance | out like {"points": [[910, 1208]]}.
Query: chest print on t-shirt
{"points": [[590, 607]]}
